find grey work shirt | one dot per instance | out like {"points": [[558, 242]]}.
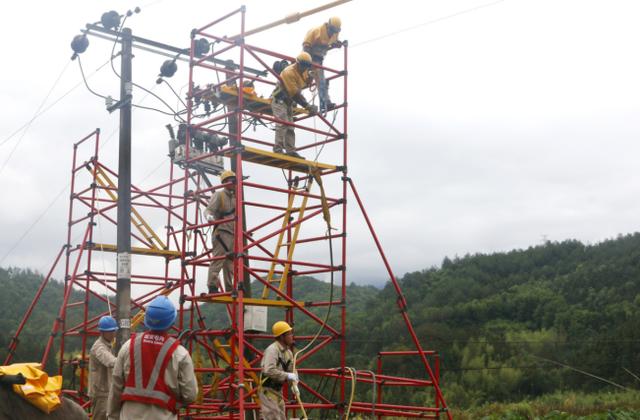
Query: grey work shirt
{"points": [[222, 206], [271, 367], [101, 363]]}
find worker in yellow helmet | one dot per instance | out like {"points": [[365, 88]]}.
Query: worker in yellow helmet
{"points": [[277, 369], [294, 78], [222, 206], [317, 42]]}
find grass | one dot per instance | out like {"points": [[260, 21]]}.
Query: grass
{"points": [[561, 406]]}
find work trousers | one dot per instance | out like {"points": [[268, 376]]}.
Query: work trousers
{"points": [[321, 83], [218, 249], [285, 136], [99, 408], [271, 404]]}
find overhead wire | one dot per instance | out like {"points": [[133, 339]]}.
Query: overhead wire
{"points": [[174, 113], [44, 101], [25, 125], [429, 22]]}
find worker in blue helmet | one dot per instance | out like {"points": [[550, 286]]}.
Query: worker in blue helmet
{"points": [[154, 375], [101, 362]]}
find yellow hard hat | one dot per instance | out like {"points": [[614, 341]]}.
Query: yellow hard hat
{"points": [[304, 59], [227, 174], [280, 328], [336, 23]]}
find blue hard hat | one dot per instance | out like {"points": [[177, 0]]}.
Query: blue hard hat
{"points": [[160, 314], [107, 324]]}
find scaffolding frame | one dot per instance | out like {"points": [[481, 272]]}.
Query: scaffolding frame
{"points": [[233, 391]]}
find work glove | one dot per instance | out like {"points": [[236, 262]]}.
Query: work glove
{"points": [[292, 377], [336, 44], [312, 109]]}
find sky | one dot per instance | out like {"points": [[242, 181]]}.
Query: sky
{"points": [[474, 126]]}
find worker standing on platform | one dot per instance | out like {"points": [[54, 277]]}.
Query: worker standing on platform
{"points": [[153, 376], [277, 369], [317, 42], [101, 363], [294, 78], [222, 206]]}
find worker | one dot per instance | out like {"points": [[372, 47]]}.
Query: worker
{"points": [[154, 375], [222, 206], [277, 369], [294, 78], [317, 42], [101, 363]]}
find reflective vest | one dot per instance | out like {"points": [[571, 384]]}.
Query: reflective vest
{"points": [[149, 355]]}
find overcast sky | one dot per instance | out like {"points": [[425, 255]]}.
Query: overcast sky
{"points": [[485, 131]]}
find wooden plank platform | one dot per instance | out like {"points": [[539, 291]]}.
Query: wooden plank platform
{"points": [[249, 301], [138, 250], [280, 160]]}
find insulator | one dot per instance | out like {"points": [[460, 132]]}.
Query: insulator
{"points": [[110, 20], [168, 68], [200, 47], [79, 44]]}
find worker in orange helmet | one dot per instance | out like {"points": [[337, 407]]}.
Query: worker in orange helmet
{"points": [[294, 78], [317, 42], [222, 206], [101, 363], [277, 369]]}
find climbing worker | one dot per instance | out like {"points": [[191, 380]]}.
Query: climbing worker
{"points": [[295, 78], [153, 376], [101, 363], [317, 42], [222, 206], [277, 369]]}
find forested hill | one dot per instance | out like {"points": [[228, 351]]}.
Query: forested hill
{"points": [[507, 325], [500, 321]]}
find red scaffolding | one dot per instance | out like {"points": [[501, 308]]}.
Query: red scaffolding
{"points": [[291, 197]]}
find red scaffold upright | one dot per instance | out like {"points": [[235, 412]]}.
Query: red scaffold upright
{"points": [[290, 220]]}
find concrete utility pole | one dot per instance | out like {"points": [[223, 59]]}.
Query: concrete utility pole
{"points": [[123, 290]]}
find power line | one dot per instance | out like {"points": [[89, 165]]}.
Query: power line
{"points": [[49, 107], [429, 22], [35, 222]]}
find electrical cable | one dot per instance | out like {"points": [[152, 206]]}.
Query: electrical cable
{"points": [[324, 322], [35, 222], [50, 106], [174, 92], [112, 56], [462, 12], [24, 133], [84, 79]]}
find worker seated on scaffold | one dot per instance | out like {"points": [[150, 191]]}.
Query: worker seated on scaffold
{"points": [[295, 78], [222, 206], [317, 42]]}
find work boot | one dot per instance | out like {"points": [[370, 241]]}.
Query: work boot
{"points": [[277, 149], [213, 289]]}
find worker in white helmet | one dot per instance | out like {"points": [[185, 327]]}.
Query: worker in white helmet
{"points": [[295, 78], [277, 369], [101, 363], [317, 42], [222, 206]]}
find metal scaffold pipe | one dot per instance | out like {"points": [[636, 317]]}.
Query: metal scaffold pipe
{"points": [[292, 18]]}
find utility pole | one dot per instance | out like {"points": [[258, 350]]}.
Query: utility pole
{"points": [[123, 289]]}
